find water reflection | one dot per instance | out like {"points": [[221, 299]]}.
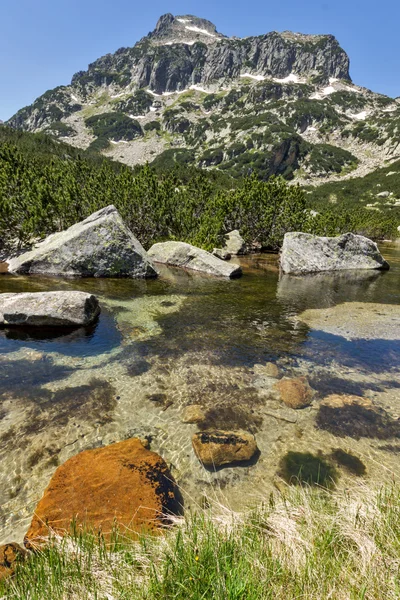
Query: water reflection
{"points": [[98, 338], [320, 290]]}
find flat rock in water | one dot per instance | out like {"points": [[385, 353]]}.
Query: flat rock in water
{"points": [[53, 309], [356, 320], [306, 253], [215, 447], [99, 246], [180, 254], [122, 483]]}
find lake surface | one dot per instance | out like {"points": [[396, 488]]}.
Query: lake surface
{"points": [[183, 339]]}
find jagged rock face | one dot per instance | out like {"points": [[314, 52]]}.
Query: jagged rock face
{"points": [[186, 28], [272, 104], [187, 50], [178, 55]]}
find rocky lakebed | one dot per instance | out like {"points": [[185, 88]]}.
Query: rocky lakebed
{"points": [[297, 365]]}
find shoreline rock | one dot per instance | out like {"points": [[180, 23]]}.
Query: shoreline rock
{"points": [[10, 555], [99, 246], [305, 253], [180, 254], [48, 309], [123, 484], [235, 244]]}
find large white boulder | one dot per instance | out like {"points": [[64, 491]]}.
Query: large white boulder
{"points": [[99, 246], [180, 254], [306, 253], [42, 309]]}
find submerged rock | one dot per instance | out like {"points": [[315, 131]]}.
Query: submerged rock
{"points": [[99, 246], [305, 253], [356, 417], [356, 320], [123, 483], [10, 555], [234, 243], [180, 254], [194, 413], [48, 309], [272, 370], [296, 392], [216, 447]]}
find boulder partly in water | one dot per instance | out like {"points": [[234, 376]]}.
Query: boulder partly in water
{"points": [[48, 309], [180, 254], [305, 253], [122, 484], [99, 246]]}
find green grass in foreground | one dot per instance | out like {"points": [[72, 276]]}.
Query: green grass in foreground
{"points": [[308, 543]]}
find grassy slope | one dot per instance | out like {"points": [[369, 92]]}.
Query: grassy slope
{"points": [[308, 543], [360, 190]]}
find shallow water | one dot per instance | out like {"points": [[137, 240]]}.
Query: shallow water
{"points": [[182, 339]]}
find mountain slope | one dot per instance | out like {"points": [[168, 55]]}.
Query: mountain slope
{"points": [[280, 103]]}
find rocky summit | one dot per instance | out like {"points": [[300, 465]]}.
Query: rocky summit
{"points": [[280, 103]]}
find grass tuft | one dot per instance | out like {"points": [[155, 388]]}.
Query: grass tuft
{"points": [[309, 543]]}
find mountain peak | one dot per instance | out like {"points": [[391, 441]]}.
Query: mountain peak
{"points": [[184, 29]]}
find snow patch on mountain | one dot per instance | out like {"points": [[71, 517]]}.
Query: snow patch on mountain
{"points": [[199, 30], [292, 78], [360, 116], [197, 88], [255, 77]]}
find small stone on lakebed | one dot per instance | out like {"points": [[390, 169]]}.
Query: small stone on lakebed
{"points": [[296, 392], [216, 447]]}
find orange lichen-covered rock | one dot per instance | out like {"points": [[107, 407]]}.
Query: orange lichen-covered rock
{"points": [[123, 483], [296, 392]]}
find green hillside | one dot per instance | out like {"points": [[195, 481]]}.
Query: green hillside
{"points": [[46, 186]]}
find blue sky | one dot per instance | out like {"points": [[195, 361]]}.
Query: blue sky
{"points": [[43, 43]]}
